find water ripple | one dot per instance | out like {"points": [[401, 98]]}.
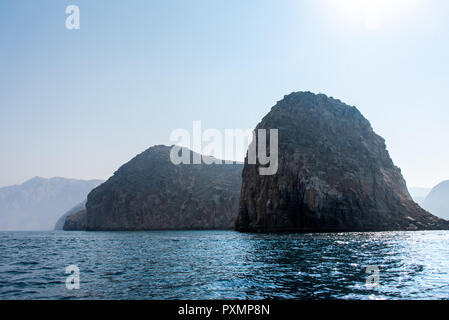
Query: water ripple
{"points": [[224, 265]]}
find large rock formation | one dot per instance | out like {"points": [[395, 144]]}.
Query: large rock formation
{"points": [[437, 201], [334, 174], [150, 192]]}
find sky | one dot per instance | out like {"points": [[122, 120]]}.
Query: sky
{"points": [[80, 103]]}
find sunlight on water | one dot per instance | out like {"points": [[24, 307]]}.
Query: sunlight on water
{"points": [[224, 265]]}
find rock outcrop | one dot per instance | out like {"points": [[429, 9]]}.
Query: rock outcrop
{"points": [[76, 221], [334, 174], [151, 193]]}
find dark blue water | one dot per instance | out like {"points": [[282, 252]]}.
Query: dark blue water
{"points": [[224, 265]]}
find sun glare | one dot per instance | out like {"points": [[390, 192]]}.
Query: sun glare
{"points": [[374, 13]]}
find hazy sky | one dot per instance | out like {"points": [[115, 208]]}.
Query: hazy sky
{"points": [[79, 103]]}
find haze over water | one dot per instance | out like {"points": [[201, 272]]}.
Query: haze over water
{"points": [[224, 265]]}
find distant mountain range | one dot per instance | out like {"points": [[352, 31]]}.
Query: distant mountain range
{"points": [[437, 201], [38, 203]]}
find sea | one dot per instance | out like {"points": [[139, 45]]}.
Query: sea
{"points": [[197, 265]]}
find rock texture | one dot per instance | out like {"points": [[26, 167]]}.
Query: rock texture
{"points": [[150, 192], [334, 174], [76, 221], [437, 201]]}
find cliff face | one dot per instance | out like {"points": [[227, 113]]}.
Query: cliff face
{"points": [[150, 192], [75, 221], [334, 174]]}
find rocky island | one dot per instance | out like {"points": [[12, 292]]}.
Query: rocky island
{"points": [[334, 174], [151, 193]]}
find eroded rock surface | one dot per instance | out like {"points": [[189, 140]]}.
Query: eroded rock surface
{"points": [[335, 174], [150, 193]]}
